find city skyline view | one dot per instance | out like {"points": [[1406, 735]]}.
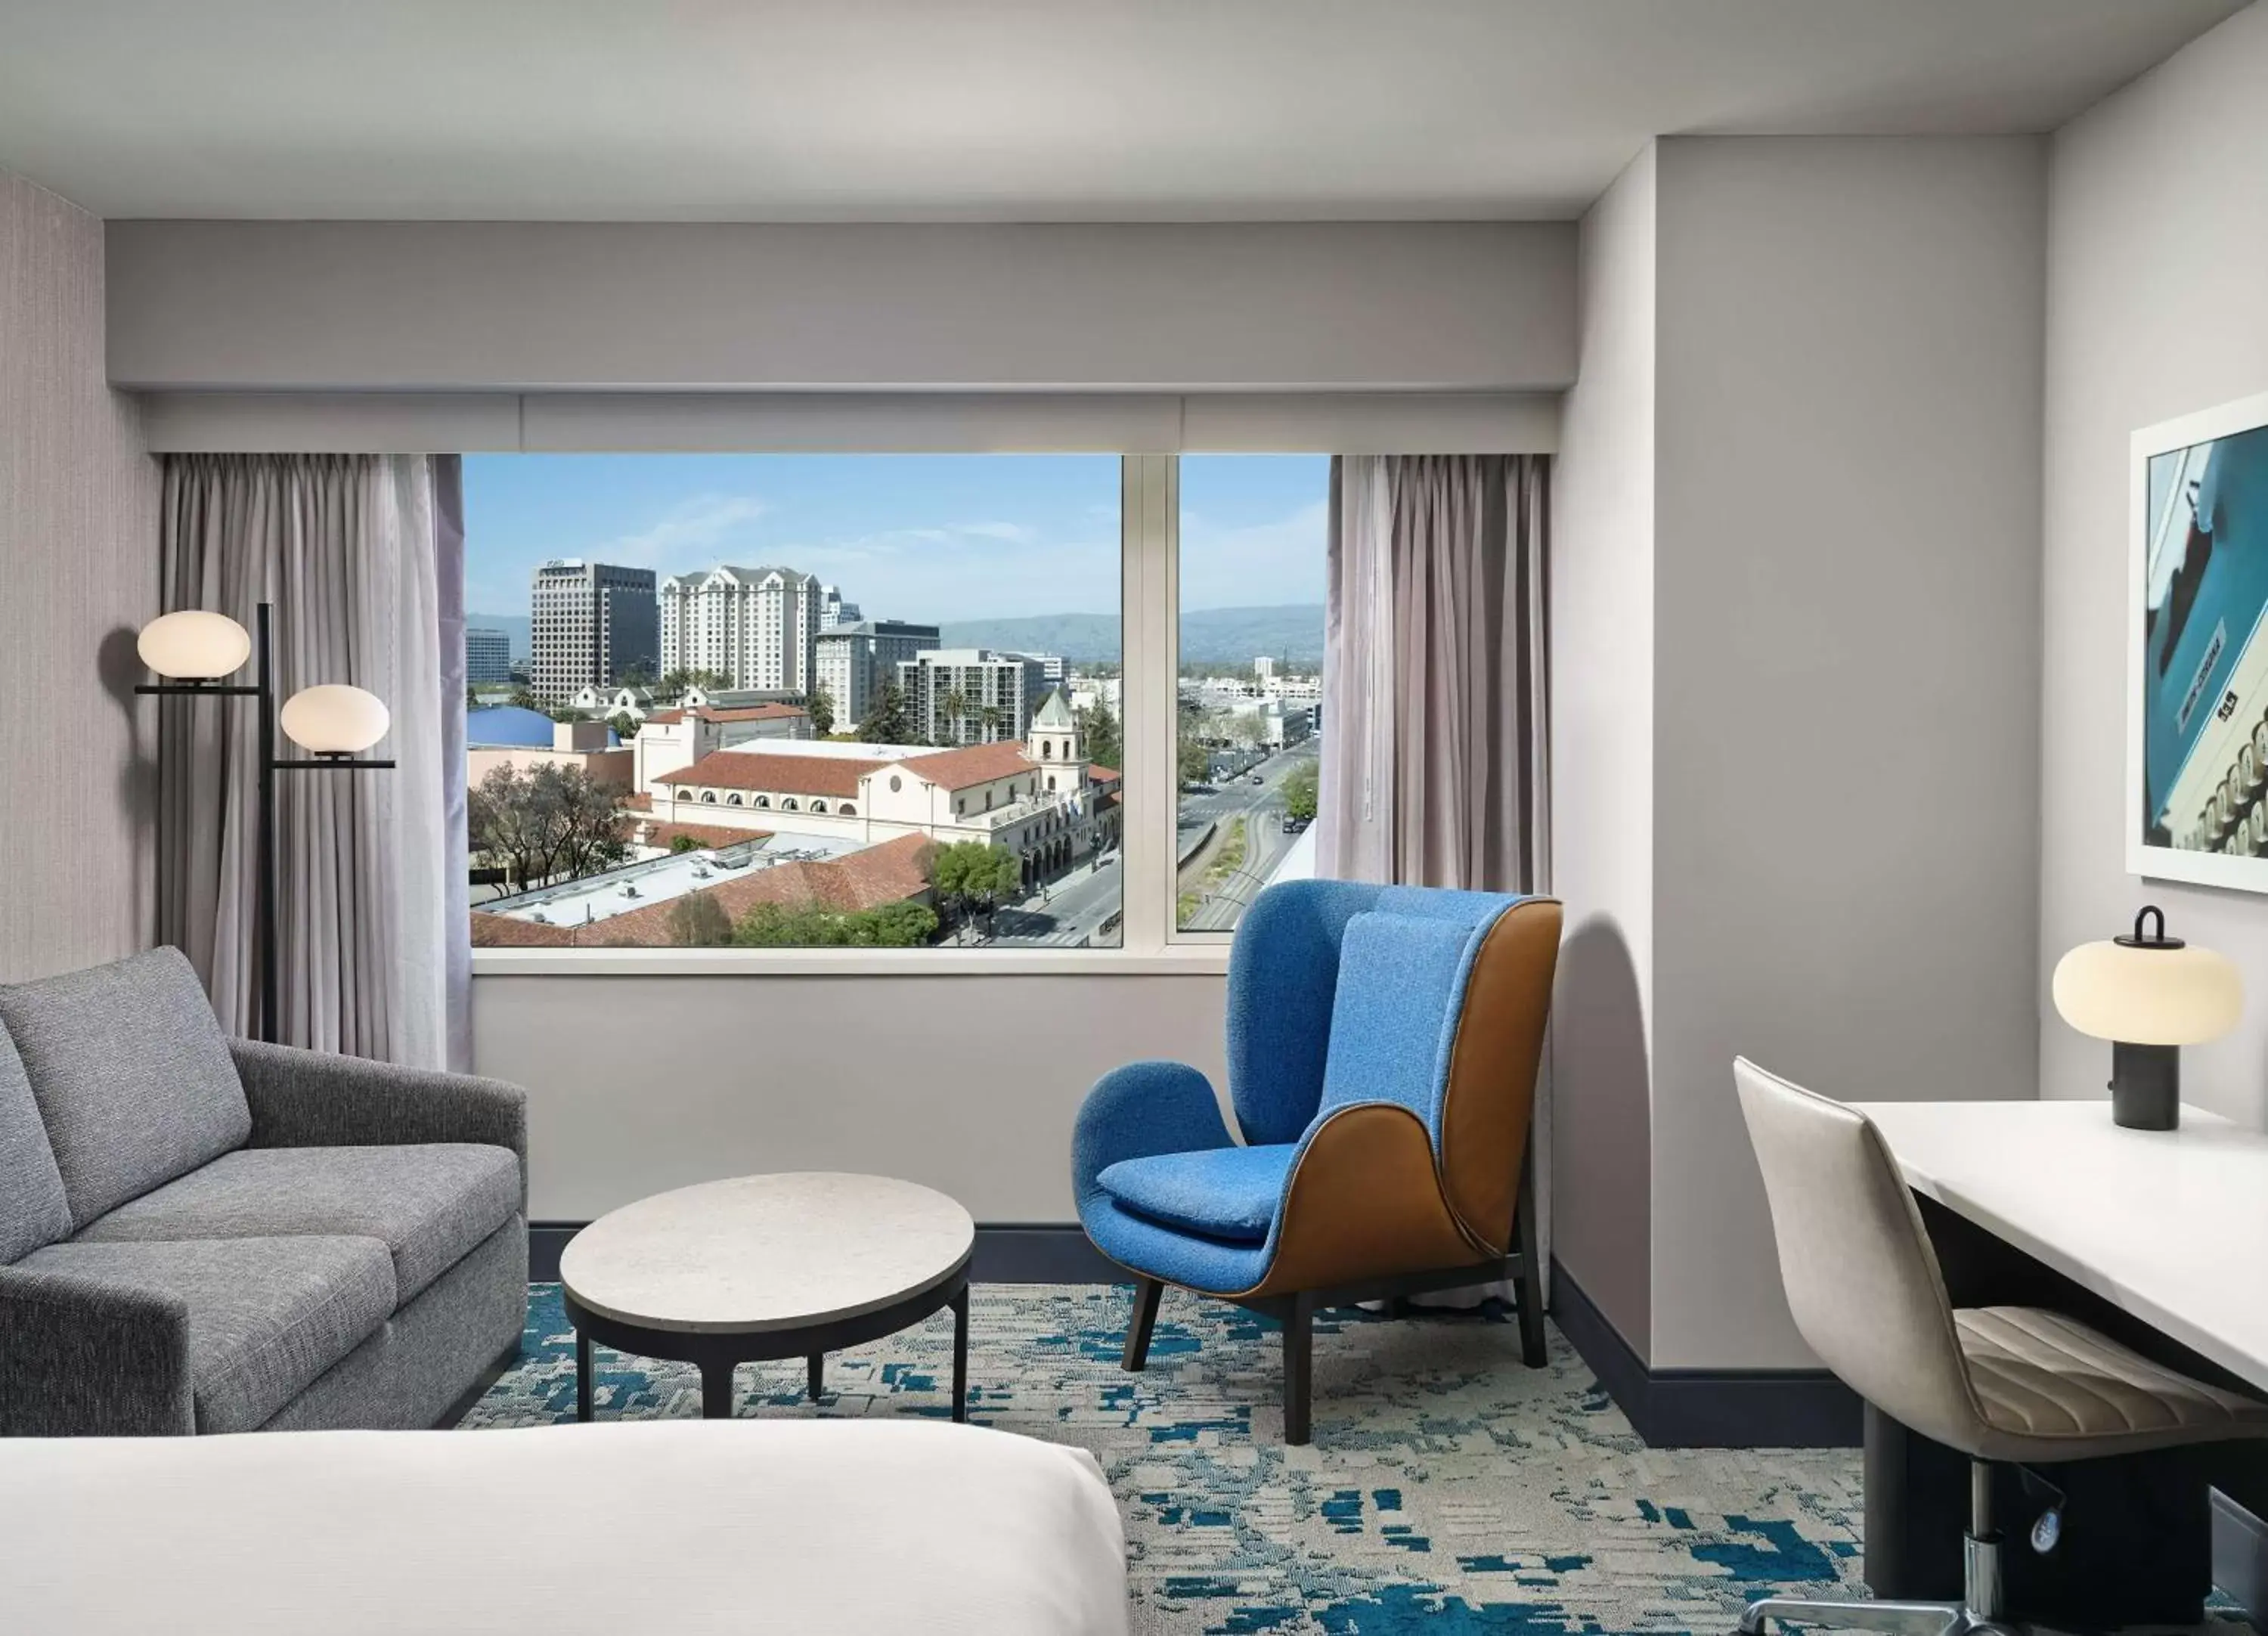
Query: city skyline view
{"points": [[944, 539]]}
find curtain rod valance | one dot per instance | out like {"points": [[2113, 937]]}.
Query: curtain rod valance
{"points": [[400, 422]]}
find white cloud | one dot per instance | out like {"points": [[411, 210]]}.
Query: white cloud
{"points": [[688, 536], [1258, 566]]}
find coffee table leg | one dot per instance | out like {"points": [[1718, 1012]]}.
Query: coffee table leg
{"points": [[582, 1376], [716, 1391], [817, 1375], [960, 1356]]}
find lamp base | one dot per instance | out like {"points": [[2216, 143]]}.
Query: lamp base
{"points": [[2146, 1086]]}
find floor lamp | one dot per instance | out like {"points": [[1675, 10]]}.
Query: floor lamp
{"points": [[334, 724]]}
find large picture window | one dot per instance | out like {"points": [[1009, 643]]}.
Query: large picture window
{"points": [[774, 701]]}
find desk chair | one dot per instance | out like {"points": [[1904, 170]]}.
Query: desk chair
{"points": [[2018, 1385]]}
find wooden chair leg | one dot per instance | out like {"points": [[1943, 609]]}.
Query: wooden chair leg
{"points": [[1299, 1368], [1146, 1292], [1530, 1282]]}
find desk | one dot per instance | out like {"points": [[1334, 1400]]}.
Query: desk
{"points": [[2158, 1237]]}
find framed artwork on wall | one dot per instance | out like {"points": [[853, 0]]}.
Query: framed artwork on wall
{"points": [[2196, 735]]}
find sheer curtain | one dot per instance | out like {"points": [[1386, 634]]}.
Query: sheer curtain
{"points": [[361, 555], [1435, 643]]}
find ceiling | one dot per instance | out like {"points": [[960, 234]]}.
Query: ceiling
{"points": [[1015, 110]]}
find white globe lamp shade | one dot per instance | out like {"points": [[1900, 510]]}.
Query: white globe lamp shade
{"points": [[2148, 996], [193, 646], [333, 719]]}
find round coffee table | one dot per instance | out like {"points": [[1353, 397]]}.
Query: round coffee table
{"points": [[796, 1265]]}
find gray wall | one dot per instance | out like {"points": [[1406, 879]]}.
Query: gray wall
{"points": [[1603, 767], [560, 307], [78, 544], [2157, 271], [1847, 615], [969, 1084]]}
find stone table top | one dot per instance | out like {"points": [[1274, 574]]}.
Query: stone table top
{"points": [[765, 1252]]}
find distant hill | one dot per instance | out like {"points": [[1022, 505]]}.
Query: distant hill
{"points": [[513, 625], [1209, 635]]}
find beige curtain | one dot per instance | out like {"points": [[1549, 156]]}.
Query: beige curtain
{"points": [[1433, 744], [354, 552], [1435, 753]]}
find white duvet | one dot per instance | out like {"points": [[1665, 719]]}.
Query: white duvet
{"points": [[679, 1527]]}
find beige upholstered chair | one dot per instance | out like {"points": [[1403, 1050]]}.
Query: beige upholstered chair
{"points": [[2014, 1384]]}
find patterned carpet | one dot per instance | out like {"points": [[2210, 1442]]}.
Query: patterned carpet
{"points": [[1447, 1483]]}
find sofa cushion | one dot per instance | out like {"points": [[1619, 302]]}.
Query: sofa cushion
{"points": [[428, 1205], [132, 1075], [32, 1209], [267, 1315], [1228, 1193]]}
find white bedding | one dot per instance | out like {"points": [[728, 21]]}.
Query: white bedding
{"points": [[616, 1529]]}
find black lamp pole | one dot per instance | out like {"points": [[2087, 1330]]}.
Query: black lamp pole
{"points": [[264, 852]]}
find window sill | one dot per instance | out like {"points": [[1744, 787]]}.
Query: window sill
{"points": [[1179, 960]]}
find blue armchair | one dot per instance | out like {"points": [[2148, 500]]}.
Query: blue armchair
{"points": [[1382, 1048]]}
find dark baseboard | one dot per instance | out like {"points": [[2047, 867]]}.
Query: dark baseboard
{"points": [[1008, 1252], [1706, 1408]]}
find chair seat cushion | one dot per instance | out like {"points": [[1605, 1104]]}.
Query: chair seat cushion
{"points": [[1228, 1193], [429, 1204], [2039, 1375], [266, 1315]]}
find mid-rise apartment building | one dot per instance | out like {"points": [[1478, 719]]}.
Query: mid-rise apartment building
{"points": [[591, 624], [855, 660], [971, 695]]}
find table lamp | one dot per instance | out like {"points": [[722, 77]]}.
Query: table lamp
{"points": [[2149, 995]]}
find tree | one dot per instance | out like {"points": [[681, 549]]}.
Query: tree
{"points": [[821, 706], [638, 673], [524, 698], [886, 720], [698, 921], [1301, 790], [974, 874], [673, 685], [625, 725], [1098, 730], [684, 843], [1192, 761], [781, 925], [991, 715], [548, 821], [955, 705]]}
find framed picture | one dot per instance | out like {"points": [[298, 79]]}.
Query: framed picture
{"points": [[2196, 736]]}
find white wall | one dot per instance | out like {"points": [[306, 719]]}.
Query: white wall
{"points": [[558, 307], [1602, 619], [968, 1084], [2157, 306], [1847, 609], [79, 545]]}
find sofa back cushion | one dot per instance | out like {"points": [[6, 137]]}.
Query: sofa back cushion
{"points": [[132, 1076], [33, 1211]]}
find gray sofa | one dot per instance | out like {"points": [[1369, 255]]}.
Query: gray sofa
{"points": [[199, 1234]]}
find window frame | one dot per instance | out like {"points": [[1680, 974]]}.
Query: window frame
{"points": [[1149, 942]]}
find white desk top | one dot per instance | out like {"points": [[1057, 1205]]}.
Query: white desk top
{"points": [[2170, 1226], [765, 1252]]}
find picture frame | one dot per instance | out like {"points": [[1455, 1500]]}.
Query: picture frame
{"points": [[2197, 645]]}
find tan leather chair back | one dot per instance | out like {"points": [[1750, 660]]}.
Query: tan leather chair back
{"points": [[1490, 1100], [1861, 1279]]}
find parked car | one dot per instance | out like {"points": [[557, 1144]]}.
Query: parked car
{"points": [[1293, 826]]}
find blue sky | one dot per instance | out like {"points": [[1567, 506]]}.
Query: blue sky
{"points": [[925, 537]]}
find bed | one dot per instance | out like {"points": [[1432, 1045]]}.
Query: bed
{"points": [[678, 1527]]}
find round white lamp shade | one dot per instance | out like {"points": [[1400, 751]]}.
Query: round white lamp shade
{"points": [[194, 646], [2145, 996], [333, 719]]}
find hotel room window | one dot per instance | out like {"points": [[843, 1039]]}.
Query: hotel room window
{"points": [[776, 701], [1249, 704]]}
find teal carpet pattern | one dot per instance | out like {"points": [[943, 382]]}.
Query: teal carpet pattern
{"points": [[1448, 1488]]}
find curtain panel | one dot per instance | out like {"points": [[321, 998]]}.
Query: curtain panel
{"points": [[362, 558], [1435, 657]]}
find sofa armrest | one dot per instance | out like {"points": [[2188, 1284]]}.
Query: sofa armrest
{"points": [[79, 1359], [314, 1099], [1141, 1110]]}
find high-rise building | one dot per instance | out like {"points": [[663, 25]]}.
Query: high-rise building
{"points": [[833, 612], [592, 623], [488, 658], [1265, 668], [949, 690], [855, 660], [756, 627]]}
